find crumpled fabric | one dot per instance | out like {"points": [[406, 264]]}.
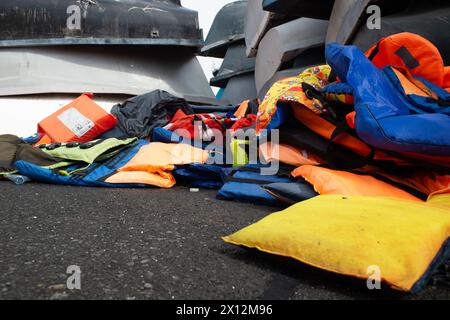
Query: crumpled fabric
{"points": [[138, 116], [290, 90], [200, 126], [13, 149]]}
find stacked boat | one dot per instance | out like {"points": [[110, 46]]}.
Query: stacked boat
{"points": [[122, 47], [226, 40], [282, 38]]}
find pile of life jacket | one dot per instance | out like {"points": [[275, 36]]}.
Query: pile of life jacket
{"points": [[138, 144], [366, 126], [371, 143]]}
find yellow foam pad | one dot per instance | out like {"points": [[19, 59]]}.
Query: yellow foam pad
{"points": [[347, 235]]}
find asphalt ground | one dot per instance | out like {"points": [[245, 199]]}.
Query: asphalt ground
{"points": [[151, 244]]}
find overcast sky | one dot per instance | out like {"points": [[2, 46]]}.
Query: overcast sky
{"points": [[207, 10]]}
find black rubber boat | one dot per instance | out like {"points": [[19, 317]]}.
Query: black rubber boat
{"points": [[98, 22], [319, 9], [234, 64], [227, 29]]}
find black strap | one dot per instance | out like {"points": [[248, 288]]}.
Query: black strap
{"points": [[245, 180], [332, 77], [278, 196], [440, 102], [220, 123], [282, 171], [374, 52], [407, 57], [196, 118], [404, 187], [441, 169], [313, 93], [399, 185], [104, 178], [83, 173], [246, 169], [443, 102], [340, 129], [334, 150], [124, 153], [285, 171]]}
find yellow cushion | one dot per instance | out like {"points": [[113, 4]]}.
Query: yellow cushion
{"points": [[347, 235], [441, 197]]}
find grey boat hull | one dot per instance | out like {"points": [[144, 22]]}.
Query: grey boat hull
{"points": [[235, 63], [286, 42], [103, 70]]}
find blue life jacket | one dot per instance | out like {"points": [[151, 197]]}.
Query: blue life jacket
{"points": [[422, 104], [245, 184], [196, 175], [165, 136], [385, 117]]}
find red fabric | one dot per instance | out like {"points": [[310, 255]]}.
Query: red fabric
{"points": [[178, 115], [351, 119], [194, 125], [188, 127], [244, 122]]}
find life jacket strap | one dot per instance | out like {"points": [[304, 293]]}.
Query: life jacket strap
{"points": [[333, 152], [407, 58], [245, 180], [312, 93]]}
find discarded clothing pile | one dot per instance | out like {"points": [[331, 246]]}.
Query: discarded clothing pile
{"points": [[360, 155]]}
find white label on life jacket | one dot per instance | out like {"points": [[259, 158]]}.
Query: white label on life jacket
{"points": [[76, 122]]}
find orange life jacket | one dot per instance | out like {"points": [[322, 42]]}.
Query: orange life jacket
{"points": [[288, 154], [412, 52], [446, 84], [326, 129], [153, 164], [332, 182], [82, 120]]}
